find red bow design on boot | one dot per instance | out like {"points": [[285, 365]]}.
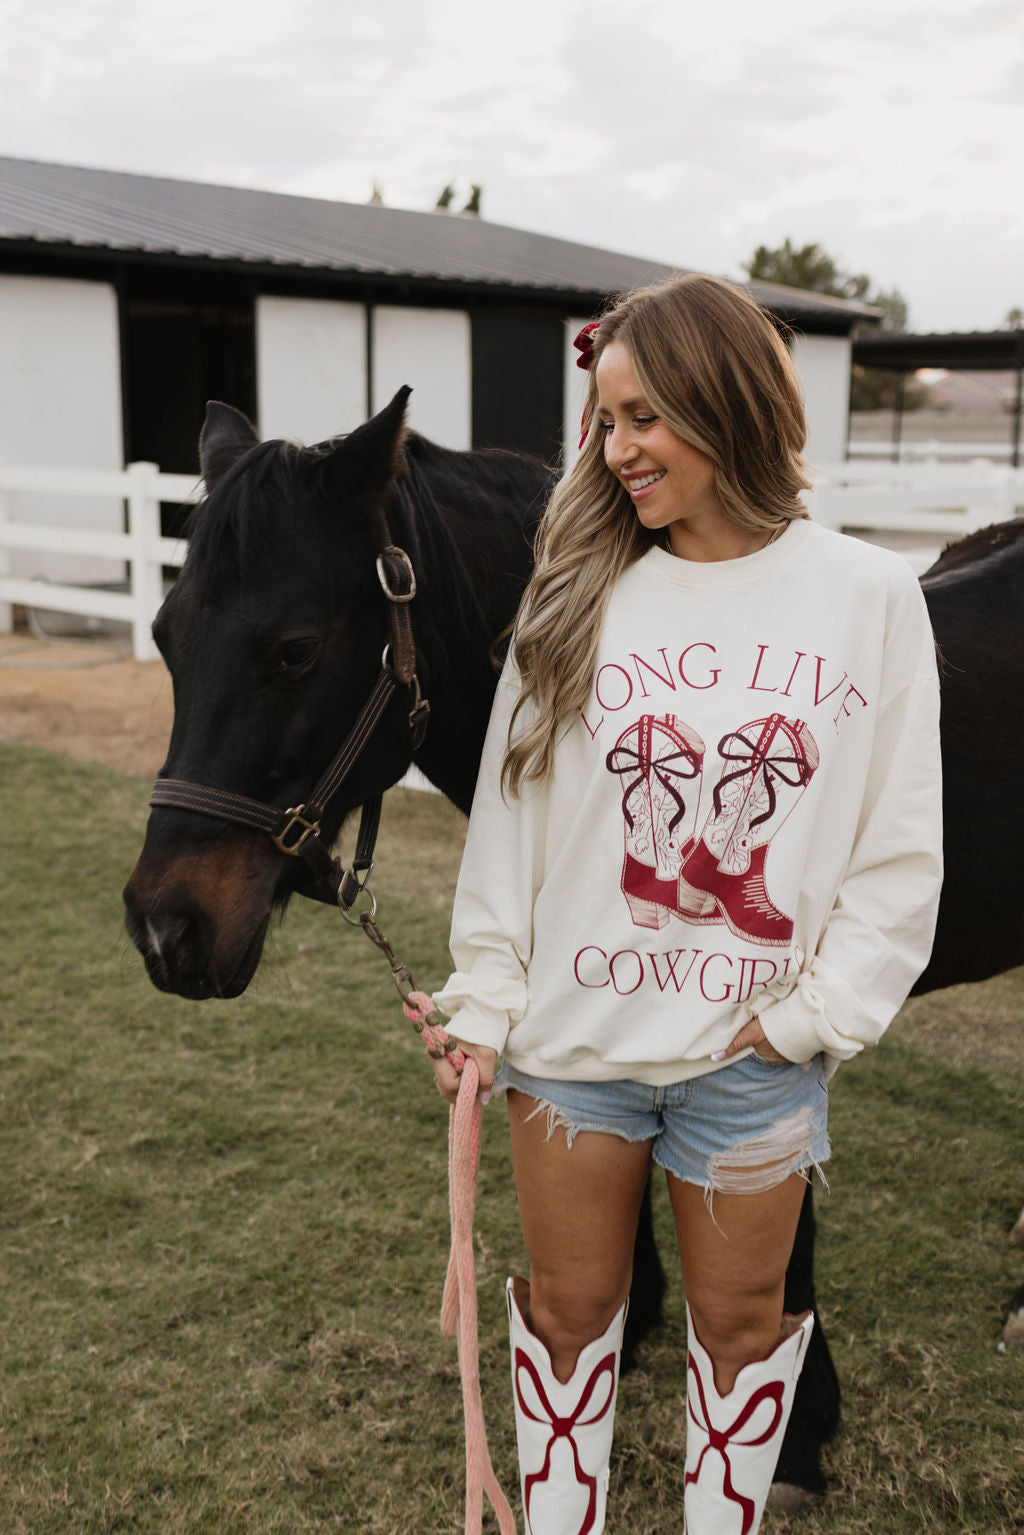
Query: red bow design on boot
{"points": [[659, 762], [721, 1439], [758, 760], [578, 1413], [563, 1427], [681, 761], [744, 1428]]}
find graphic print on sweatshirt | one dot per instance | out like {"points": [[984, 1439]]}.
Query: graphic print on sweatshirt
{"points": [[716, 875]]}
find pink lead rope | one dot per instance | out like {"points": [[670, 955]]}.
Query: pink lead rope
{"points": [[458, 1306]]}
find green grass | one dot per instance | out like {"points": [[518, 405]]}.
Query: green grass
{"points": [[225, 1228]]}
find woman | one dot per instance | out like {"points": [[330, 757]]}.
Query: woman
{"points": [[702, 869]]}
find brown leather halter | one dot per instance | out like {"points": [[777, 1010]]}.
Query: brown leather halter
{"points": [[297, 831]]}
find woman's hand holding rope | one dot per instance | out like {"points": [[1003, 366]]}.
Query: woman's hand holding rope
{"points": [[447, 1076], [420, 1011]]}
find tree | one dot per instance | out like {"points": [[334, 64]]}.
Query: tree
{"points": [[814, 270], [811, 268], [895, 314]]}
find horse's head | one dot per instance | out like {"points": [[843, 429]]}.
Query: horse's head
{"points": [[273, 635]]}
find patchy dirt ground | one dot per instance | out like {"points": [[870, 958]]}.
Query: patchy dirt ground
{"points": [[85, 700]]}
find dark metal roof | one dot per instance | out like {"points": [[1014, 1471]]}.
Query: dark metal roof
{"points": [[980, 351], [50, 208]]}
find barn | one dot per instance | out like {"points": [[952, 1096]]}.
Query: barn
{"points": [[127, 301]]}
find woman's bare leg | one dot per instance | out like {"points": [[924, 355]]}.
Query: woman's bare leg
{"points": [[734, 1261], [578, 1206]]}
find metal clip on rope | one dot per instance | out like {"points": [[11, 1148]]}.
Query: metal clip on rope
{"points": [[418, 1007]]}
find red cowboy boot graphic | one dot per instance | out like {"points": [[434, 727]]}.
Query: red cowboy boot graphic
{"points": [[657, 760], [763, 760]]}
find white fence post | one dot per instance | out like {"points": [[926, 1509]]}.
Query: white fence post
{"points": [[147, 586]]}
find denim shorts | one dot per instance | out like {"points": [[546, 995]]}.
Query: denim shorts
{"points": [[739, 1130]]}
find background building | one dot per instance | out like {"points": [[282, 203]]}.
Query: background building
{"points": [[126, 302]]}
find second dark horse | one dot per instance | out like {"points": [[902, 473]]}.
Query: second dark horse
{"points": [[274, 634]]}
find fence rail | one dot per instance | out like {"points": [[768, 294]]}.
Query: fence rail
{"points": [[143, 550], [916, 508], [928, 450]]}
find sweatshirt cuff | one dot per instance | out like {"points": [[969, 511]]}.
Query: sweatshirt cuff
{"points": [[473, 1024], [796, 1023]]}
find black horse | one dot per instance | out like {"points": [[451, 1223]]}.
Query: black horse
{"points": [[975, 597], [273, 635]]}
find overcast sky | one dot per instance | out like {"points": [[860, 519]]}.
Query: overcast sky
{"points": [[892, 133]]}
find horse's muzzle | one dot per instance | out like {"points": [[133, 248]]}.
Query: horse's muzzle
{"points": [[199, 920]]}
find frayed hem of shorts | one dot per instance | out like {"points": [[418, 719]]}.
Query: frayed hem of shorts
{"points": [[754, 1167], [557, 1119]]}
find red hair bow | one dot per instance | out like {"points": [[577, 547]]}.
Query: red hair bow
{"points": [[584, 344]]}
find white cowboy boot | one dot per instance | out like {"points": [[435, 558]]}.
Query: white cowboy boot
{"points": [[733, 1442], [563, 1431]]}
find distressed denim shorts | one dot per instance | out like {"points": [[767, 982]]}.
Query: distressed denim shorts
{"points": [[739, 1130]]}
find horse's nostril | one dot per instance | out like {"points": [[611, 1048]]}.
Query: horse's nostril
{"points": [[172, 935], [176, 946]]}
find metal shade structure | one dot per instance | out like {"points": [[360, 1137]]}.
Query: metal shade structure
{"points": [[996, 351]]}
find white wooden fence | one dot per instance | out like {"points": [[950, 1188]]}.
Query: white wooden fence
{"points": [[915, 508], [928, 450], [140, 546]]}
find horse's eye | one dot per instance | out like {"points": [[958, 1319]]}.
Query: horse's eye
{"points": [[296, 655]]}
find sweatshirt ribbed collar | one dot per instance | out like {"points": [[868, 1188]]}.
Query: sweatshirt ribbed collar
{"points": [[716, 574]]}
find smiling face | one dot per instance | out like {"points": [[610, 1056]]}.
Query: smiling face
{"points": [[671, 484]]}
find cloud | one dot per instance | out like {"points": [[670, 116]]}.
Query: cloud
{"points": [[891, 135], [200, 91]]}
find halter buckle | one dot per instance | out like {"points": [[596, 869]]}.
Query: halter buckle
{"points": [[354, 882], [393, 552], [294, 832], [419, 714]]}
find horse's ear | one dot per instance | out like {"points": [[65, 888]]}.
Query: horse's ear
{"points": [[226, 435], [374, 454]]}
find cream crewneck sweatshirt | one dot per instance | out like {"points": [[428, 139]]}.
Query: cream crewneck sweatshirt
{"points": [[746, 818]]}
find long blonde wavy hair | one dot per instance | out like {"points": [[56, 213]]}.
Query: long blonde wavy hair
{"points": [[713, 366]]}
